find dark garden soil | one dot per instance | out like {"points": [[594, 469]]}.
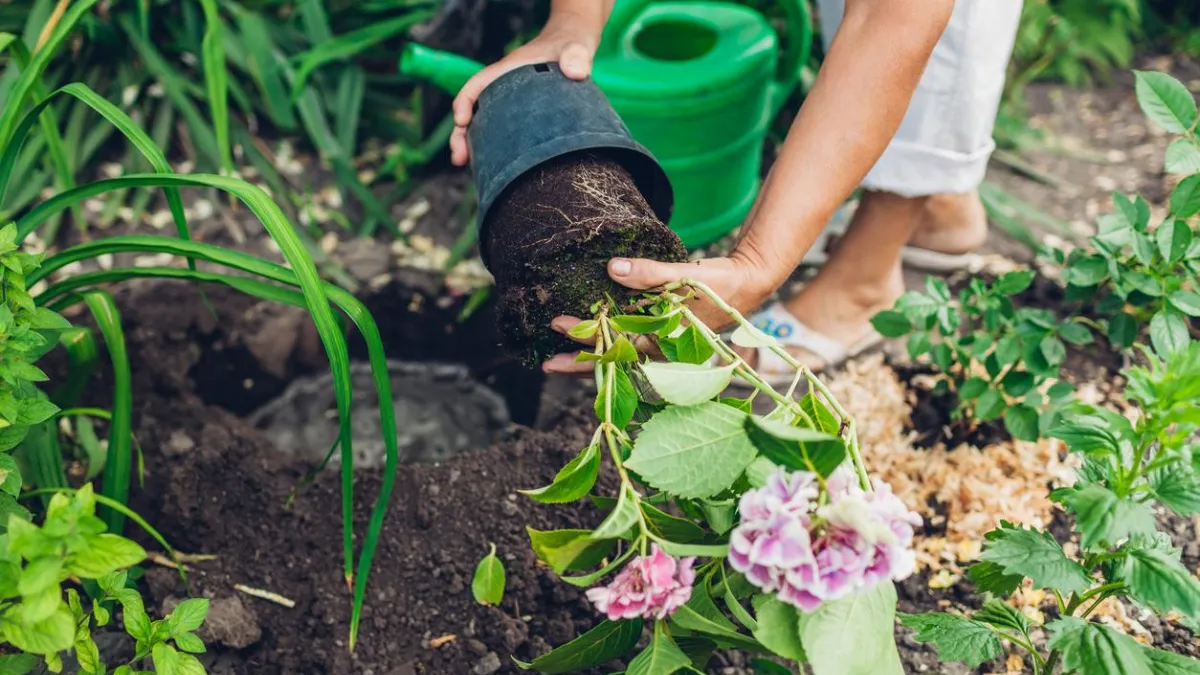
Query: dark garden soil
{"points": [[548, 241]]}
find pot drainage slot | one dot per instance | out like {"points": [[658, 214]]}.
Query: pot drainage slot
{"points": [[441, 411]]}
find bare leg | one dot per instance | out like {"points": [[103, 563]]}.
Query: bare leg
{"points": [[952, 223], [863, 276]]}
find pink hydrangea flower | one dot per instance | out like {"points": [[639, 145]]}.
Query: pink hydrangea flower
{"points": [[651, 587], [809, 555]]}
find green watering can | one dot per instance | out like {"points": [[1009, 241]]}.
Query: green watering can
{"points": [[697, 83]]}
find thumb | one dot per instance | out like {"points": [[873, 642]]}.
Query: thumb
{"points": [[642, 274], [576, 61]]}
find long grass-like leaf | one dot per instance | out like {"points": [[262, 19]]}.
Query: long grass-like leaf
{"points": [[262, 67], [347, 114], [43, 455], [118, 465], [246, 263], [85, 436], [216, 79], [315, 20], [351, 44], [305, 271], [82, 357]]}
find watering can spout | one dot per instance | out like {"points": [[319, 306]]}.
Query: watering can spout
{"points": [[445, 70]]}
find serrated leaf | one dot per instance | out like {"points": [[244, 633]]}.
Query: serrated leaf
{"points": [[488, 583], [1182, 158], [1002, 615], [568, 549], [777, 627], [1075, 333], [1011, 283], [54, 634], [661, 657], [188, 642], [1158, 580], [1187, 302], [623, 517], [1008, 350], [584, 329], [955, 638], [1122, 330], [670, 527], [689, 347], [1103, 517], [991, 578], [796, 448], [105, 553], [607, 641], [640, 324], [989, 406], [701, 615], [572, 482], [621, 351], [624, 403], [18, 664], [1179, 491], [693, 451], [973, 388], [853, 635], [1022, 422], [1162, 662], [1165, 101], [1185, 199], [1022, 552], [1168, 332], [687, 383], [1090, 649]]}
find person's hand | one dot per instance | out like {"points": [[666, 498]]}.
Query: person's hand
{"points": [[562, 40], [735, 279]]}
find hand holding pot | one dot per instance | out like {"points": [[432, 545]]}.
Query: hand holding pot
{"points": [[568, 39], [736, 279]]}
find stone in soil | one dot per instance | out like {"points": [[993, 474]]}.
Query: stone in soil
{"points": [[548, 240]]}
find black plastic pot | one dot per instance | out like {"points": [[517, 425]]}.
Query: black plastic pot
{"points": [[533, 114]]}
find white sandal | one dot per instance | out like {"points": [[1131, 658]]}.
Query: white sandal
{"points": [[790, 332]]}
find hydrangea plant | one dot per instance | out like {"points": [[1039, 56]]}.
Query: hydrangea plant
{"points": [[726, 529]]}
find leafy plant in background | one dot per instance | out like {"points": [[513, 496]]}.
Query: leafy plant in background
{"points": [[42, 619], [297, 67], [1128, 467], [727, 529], [1000, 360], [1136, 275], [33, 327]]}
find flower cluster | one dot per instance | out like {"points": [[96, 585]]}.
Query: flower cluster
{"points": [[651, 587], [809, 554]]}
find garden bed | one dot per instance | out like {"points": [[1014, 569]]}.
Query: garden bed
{"points": [[215, 485]]}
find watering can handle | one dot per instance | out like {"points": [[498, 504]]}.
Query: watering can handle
{"points": [[623, 14], [800, 35]]}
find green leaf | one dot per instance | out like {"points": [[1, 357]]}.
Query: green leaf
{"points": [[1174, 239], [1091, 648], [989, 406], [54, 634], [105, 553], [1022, 552], [991, 578], [1011, 283], [39, 575], [701, 615], [17, 664], [641, 324], [621, 351], [563, 550], [584, 329], [853, 635], [188, 642], [87, 654], [625, 400], [1158, 580], [1008, 350], [694, 550], [661, 657], [796, 448], [669, 527], [687, 383], [1075, 333], [1187, 302], [693, 451], [689, 347], [1018, 383], [956, 638], [1165, 101], [918, 344], [1021, 420], [973, 388], [891, 323], [1122, 330], [1054, 350], [605, 642], [1103, 517], [1087, 272], [1162, 662], [1168, 332], [488, 584], [1182, 158], [1185, 201], [1179, 491], [572, 482], [1002, 615], [765, 667], [622, 518], [778, 627]]}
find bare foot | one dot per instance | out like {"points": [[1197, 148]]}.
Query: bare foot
{"points": [[951, 224], [837, 310]]}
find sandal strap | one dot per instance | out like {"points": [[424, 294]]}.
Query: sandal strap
{"points": [[782, 325]]}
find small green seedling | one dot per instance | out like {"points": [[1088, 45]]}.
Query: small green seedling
{"points": [[1128, 467], [488, 584], [1001, 360]]}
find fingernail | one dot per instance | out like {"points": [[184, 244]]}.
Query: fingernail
{"points": [[621, 266], [559, 325]]}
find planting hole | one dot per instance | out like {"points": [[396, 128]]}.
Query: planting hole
{"points": [[675, 40]]}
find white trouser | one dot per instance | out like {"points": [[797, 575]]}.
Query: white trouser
{"points": [[945, 140]]}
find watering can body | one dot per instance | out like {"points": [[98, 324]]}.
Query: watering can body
{"points": [[696, 83]]}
